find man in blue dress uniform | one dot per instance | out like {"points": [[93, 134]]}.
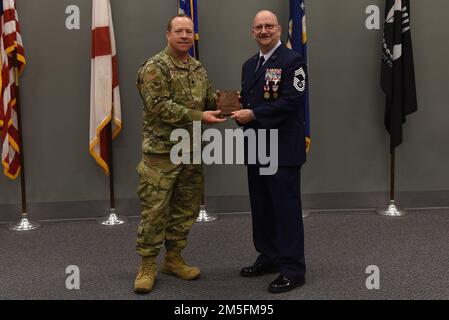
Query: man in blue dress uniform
{"points": [[273, 86]]}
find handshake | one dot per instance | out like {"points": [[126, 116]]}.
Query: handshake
{"points": [[228, 104]]}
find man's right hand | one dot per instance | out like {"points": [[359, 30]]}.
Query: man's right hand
{"points": [[212, 117]]}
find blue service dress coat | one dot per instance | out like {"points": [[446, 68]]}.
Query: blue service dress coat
{"points": [[276, 95]]}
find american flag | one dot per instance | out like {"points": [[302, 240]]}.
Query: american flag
{"points": [[10, 43], [105, 94]]}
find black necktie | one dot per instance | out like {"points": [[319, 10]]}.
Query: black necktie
{"points": [[261, 61]]}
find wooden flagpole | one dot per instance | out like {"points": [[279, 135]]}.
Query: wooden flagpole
{"points": [[24, 224], [113, 219]]}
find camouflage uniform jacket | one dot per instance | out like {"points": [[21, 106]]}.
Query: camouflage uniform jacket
{"points": [[174, 94]]}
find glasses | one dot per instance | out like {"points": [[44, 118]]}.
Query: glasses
{"points": [[268, 27]]}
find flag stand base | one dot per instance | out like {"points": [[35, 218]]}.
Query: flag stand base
{"points": [[204, 216], [305, 214], [24, 225], [113, 219], [392, 211]]}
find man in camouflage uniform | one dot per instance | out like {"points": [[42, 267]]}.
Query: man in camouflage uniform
{"points": [[175, 91]]}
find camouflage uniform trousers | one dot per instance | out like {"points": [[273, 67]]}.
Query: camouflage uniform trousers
{"points": [[171, 197]]}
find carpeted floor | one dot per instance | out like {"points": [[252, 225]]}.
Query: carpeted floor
{"points": [[412, 253]]}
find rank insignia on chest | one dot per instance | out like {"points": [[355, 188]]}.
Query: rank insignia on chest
{"points": [[272, 82]]}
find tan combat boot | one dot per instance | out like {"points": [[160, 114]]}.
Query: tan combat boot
{"points": [[174, 264], [147, 274]]}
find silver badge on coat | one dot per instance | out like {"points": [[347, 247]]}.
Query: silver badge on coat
{"points": [[299, 80]]}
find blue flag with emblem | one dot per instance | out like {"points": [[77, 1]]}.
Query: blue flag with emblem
{"points": [[297, 41], [188, 7]]}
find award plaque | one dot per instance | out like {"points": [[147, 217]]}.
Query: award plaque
{"points": [[227, 102]]}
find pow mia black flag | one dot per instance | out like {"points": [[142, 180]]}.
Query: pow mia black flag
{"points": [[398, 75]]}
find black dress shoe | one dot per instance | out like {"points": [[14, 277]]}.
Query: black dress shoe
{"points": [[284, 284], [258, 269]]}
